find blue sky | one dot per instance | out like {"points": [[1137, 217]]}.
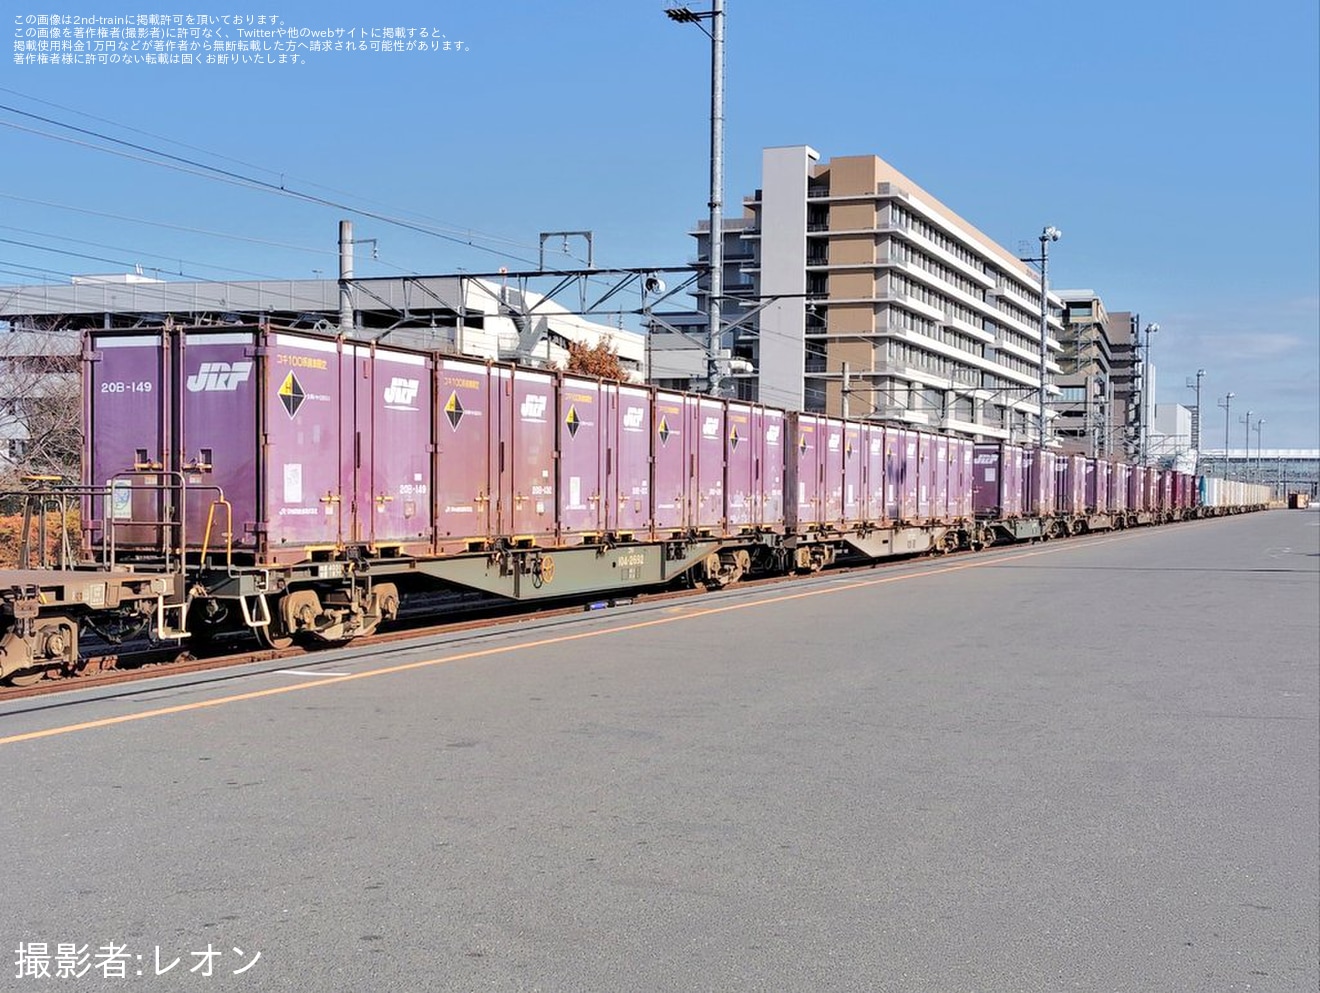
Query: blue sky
{"points": [[1176, 144]]}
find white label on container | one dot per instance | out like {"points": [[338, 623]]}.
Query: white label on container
{"points": [[990, 475], [121, 500], [575, 491], [293, 492]]}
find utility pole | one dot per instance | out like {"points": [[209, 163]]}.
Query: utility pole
{"points": [[1051, 233], [1196, 428], [682, 15]]}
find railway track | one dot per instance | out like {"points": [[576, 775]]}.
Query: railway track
{"points": [[110, 670]]}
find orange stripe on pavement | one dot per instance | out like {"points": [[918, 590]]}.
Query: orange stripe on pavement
{"points": [[541, 643]]}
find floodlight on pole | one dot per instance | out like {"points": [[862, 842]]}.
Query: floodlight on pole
{"points": [[1147, 396], [1049, 234]]}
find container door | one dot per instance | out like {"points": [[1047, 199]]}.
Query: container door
{"points": [[872, 455], [219, 436], [355, 443], [771, 469], [925, 473], [530, 456], [127, 401], [582, 443], [304, 495], [400, 450], [831, 479], [466, 435], [854, 474], [708, 474], [629, 461], [911, 475], [670, 435], [810, 470], [941, 498], [741, 438]]}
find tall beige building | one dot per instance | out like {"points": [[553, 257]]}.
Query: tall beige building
{"points": [[868, 280]]}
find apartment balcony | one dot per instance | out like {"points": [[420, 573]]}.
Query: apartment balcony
{"points": [[817, 227], [817, 192]]}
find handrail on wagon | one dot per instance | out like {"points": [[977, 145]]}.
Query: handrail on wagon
{"points": [[220, 501]]}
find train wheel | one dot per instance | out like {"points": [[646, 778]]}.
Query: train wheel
{"points": [[25, 677], [275, 635], [276, 640]]}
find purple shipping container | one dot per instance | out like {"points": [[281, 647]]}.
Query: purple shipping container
{"points": [[674, 434], [1038, 482], [854, 475], [925, 445], [832, 467], [967, 452], [708, 469], [628, 460], [874, 507], [1070, 485], [127, 401], [911, 496], [940, 510], [1152, 489], [315, 442], [583, 445], [467, 431], [754, 468], [528, 444], [400, 465], [773, 463], [900, 487], [1097, 486], [1136, 489], [1118, 487], [805, 470], [743, 453], [997, 481]]}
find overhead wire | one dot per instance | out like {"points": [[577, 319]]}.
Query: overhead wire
{"points": [[191, 167], [458, 229], [204, 170]]}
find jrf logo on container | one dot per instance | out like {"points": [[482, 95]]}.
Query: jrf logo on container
{"points": [[219, 377], [401, 393], [533, 407]]}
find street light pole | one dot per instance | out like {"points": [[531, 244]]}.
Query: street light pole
{"points": [[1246, 451], [1048, 235], [1228, 398], [1260, 474], [1196, 439], [1147, 397], [715, 15]]}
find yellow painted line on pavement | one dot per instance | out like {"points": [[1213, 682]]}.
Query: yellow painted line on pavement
{"points": [[184, 708]]}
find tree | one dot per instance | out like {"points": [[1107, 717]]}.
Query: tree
{"points": [[40, 407], [595, 360]]}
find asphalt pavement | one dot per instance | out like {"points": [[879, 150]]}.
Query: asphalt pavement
{"points": [[1084, 765]]}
